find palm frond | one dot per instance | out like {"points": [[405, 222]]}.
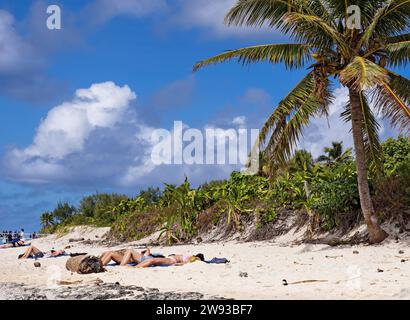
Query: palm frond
{"points": [[282, 145], [362, 74], [368, 10], [398, 53], [298, 95], [273, 13], [313, 29], [258, 12], [393, 19], [339, 8], [370, 130], [292, 55], [401, 86], [369, 31], [397, 39], [392, 100], [285, 137], [322, 9]]}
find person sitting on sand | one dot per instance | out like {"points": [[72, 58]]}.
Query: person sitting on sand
{"points": [[125, 256], [36, 253], [172, 260], [14, 244]]}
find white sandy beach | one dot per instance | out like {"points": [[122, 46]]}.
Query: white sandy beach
{"points": [[256, 270]]}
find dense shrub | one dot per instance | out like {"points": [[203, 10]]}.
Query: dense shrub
{"points": [[288, 190], [392, 193], [334, 193], [396, 154]]}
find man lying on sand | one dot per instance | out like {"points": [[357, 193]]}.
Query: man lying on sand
{"points": [[125, 256], [172, 260], [36, 253], [15, 244]]}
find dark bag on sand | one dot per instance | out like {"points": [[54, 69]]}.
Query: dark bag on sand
{"points": [[85, 264], [218, 261]]}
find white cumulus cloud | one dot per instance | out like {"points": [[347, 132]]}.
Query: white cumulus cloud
{"points": [[71, 134], [67, 126]]}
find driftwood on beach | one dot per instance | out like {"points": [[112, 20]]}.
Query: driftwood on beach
{"points": [[85, 264]]}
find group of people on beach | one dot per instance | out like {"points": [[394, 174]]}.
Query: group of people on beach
{"points": [[123, 257], [10, 237], [14, 244]]}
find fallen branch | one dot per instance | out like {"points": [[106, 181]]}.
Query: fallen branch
{"points": [[68, 283], [285, 283]]}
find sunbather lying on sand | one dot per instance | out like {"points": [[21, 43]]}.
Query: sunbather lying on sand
{"points": [[172, 260], [125, 256], [14, 244], [34, 252]]}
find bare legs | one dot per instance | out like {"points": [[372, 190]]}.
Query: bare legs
{"points": [[156, 262], [131, 256], [6, 246], [116, 256], [121, 257], [29, 252]]}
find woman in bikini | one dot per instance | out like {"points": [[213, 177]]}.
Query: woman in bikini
{"points": [[36, 253], [171, 260], [125, 256]]}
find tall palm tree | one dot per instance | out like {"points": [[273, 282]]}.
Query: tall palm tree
{"points": [[335, 153], [360, 58]]}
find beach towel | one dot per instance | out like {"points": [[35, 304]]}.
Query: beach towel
{"points": [[217, 261]]}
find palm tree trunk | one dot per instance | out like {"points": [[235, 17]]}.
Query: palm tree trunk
{"points": [[376, 233]]}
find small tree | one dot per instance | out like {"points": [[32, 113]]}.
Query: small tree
{"points": [[63, 212], [47, 220]]}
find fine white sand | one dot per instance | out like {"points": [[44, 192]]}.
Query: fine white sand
{"points": [[256, 270]]}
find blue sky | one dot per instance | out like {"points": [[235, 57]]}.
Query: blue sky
{"points": [[141, 52]]}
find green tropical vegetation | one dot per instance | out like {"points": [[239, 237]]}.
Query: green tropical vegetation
{"points": [[179, 213], [359, 53]]}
